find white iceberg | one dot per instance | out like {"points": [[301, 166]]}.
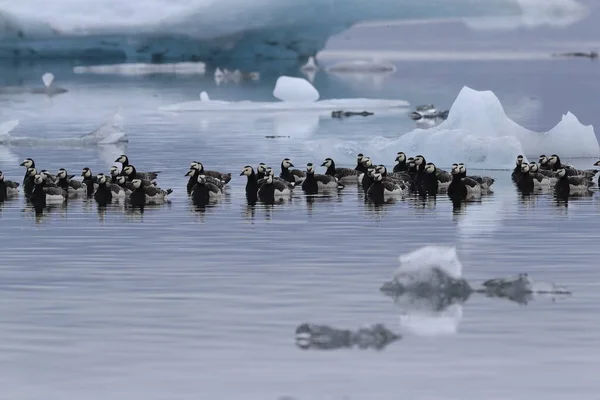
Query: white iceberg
{"points": [[165, 30], [109, 133], [298, 95], [292, 89], [477, 132]]}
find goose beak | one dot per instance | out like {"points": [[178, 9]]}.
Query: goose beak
{"points": [[22, 164], [323, 164], [292, 165], [241, 173], [597, 163]]}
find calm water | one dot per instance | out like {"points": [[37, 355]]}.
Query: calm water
{"points": [[181, 304]]}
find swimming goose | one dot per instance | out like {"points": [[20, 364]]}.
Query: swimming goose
{"points": [[516, 174], [125, 185], [431, 182], [205, 191], [131, 173], [43, 195], [142, 194], [346, 175], [567, 185], [251, 183], [367, 179], [116, 190], [315, 182], [103, 194], [27, 163], [269, 172], [29, 183], [541, 178], [194, 173], [400, 162], [271, 188], [555, 165], [113, 173], [260, 170], [89, 181], [71, 186], [543, 162], [381, 188], [525, 183], [7, 188], [49, 179], [462, 187], [366, 163], [124, 161], [484, 181], [225, 178], [359, 164], [295, 176]]}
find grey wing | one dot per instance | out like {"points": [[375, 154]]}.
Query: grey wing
{"points": [[54, 191], [580, 180], [11, 184], [398, 176], [261, 181], [547, 172], [152, 191], [443, 176], [483, 180], [116, 188], [76, 184], [215, 181], [470, 181], [391, 186], [298, 173], [344, 172], [588, 173], [279, 185], [283, 182], [69, 177], [213, 188], [538, 177], [325, 179]]}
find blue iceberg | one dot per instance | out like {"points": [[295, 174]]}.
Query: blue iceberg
{"points": [[228, 32]]}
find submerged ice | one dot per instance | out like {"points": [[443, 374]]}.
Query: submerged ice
{"points": [[477, 132], [225, 30]]}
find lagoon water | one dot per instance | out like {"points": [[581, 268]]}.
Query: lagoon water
{"points": [[177, 303]]}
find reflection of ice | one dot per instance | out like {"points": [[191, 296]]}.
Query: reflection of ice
{"points": [[423, 322], [481, 220], [371, 67], [7, 156], [110, 152], [140, 69], [108, 133]]}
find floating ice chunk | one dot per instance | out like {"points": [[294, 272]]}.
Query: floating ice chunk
{"points": [[292, 89], [140, 69], [362, 66], [204, 96], [431, 322], [110, 132], [428, 257], [48, 78]]}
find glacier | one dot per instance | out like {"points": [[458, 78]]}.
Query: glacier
{"points": [[227, 32], [477, 132]]}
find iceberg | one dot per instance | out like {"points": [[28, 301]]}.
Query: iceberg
{"points": [[477, 132], [109, 133], [296, 95], [224, 31]]}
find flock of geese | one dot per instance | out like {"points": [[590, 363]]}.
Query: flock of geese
{"points": [[550, 173], [410, 175], [42, 188]]}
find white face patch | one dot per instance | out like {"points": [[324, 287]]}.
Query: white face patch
{"points": [[27, 163], [561, 172], [367, 162], [270, 179], [287, 163], [38, 179], [429, 168], [201, 179], [114, 170], [419, 160], [309, 168], [136, 183], [128, 170], [524, 168], [327, 163]]}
